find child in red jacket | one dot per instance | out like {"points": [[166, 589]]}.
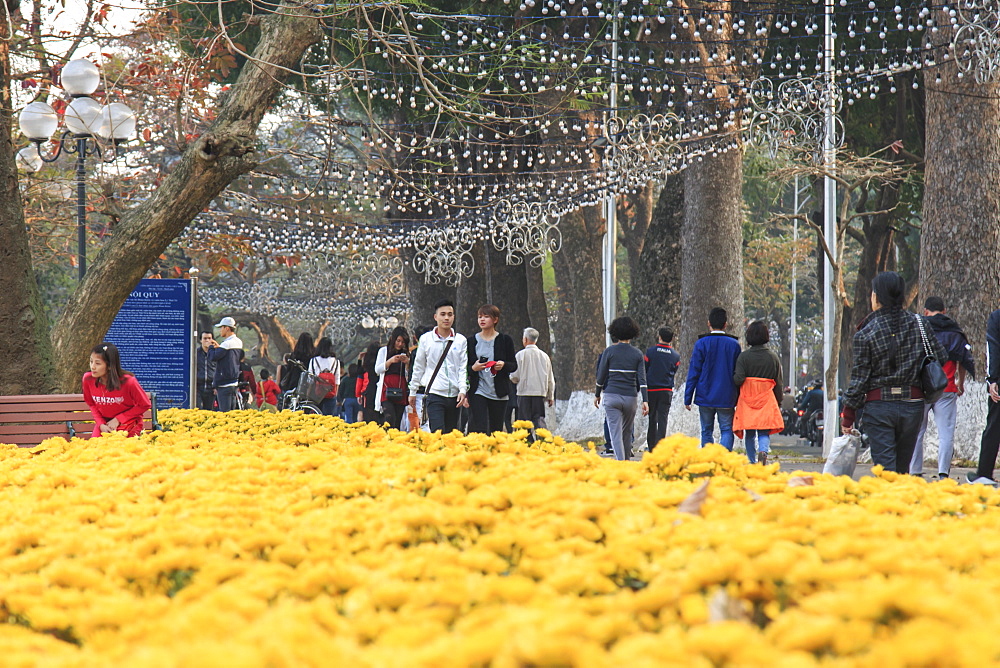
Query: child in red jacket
{"points": [[115, 398], [267, 391]]}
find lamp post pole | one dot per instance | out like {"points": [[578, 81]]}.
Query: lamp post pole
{"points": [[830, 232], [611, 203], [81, 207]]}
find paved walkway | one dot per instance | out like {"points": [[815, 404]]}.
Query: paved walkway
{"points": [[795, 454]]}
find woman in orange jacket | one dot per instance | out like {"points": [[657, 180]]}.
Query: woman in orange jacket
{"points": [[758, 410]]}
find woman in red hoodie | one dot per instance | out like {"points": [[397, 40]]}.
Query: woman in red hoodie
{"points": [[116, 399]]}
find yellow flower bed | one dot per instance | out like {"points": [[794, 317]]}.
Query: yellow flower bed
{"points": [[256, 539]]}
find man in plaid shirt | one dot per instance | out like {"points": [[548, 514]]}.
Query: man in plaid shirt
{"points": [[885, 379]]}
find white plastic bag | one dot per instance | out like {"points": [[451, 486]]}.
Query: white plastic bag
{"points": [[843, 455]]}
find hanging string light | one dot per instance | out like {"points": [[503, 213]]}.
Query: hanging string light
{"points": [[478, 122]]}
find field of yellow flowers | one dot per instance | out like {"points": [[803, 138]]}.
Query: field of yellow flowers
{"points": [[256, 539]]}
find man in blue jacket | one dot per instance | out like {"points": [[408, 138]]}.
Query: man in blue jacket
{"points": [[710, 379]]}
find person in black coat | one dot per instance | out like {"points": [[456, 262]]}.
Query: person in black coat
{"points": [[491, 361]]}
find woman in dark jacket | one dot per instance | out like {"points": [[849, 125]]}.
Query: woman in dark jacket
{"points": [[491, 361], [758, 410], [885, 379], [621, 377], [288, 376]]}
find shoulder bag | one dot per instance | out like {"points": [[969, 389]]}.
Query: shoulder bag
{"points": [[933, 379], [430, 384]]}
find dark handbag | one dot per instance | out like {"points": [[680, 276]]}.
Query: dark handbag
{"points": [[394, 385], [430, 384], [933, 379]]}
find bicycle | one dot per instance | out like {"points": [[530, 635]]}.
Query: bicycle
{"points": [[306, 396]]}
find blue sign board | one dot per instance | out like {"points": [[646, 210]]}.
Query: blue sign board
{"points": [[154, 334]]}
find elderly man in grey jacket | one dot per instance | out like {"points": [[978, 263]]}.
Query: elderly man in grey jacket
{"points": [[536, 385]]}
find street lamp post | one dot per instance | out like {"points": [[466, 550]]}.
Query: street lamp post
{"points": [[84, 118]]}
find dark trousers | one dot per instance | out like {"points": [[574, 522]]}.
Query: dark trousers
{"points": [[442, 412], [532, 409], [508, 417], [486, 415], [991, 440], [659, 408], [892, 428], [206, 398], [393, 413]]}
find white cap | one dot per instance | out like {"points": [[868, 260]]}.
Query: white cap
{"points": [[226, 322]]}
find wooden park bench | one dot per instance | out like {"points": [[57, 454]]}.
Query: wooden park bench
{"points": [[29, 419]]}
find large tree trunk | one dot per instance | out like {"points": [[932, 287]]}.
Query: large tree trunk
{"points": [[655, 295], [579, 327], [712, 249], [24, 345], [208, 166], [961, 227]]}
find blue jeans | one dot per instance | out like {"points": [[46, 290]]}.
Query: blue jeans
{"points": [[756, 440], [226, 397], [725, 416], [350, 409]]}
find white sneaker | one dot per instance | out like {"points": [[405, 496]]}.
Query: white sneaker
{"points": [[982, 480]]}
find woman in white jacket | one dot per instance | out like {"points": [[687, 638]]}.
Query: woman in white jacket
{"points": [[391, 365]]}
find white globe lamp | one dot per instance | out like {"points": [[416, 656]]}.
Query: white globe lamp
{"points": [[83, 116], [28, 159], [117, 122], [80, 77], [38, 121]]}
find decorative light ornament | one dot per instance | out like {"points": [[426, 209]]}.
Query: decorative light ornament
{"points": [[975, 44], [525, 230], [443, 254], [791, 115]]}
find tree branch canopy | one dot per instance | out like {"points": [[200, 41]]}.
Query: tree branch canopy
{"points": [[208, 166]]}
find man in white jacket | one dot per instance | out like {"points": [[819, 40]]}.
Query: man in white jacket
{"points": [[446, 395], [536, 386]]}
